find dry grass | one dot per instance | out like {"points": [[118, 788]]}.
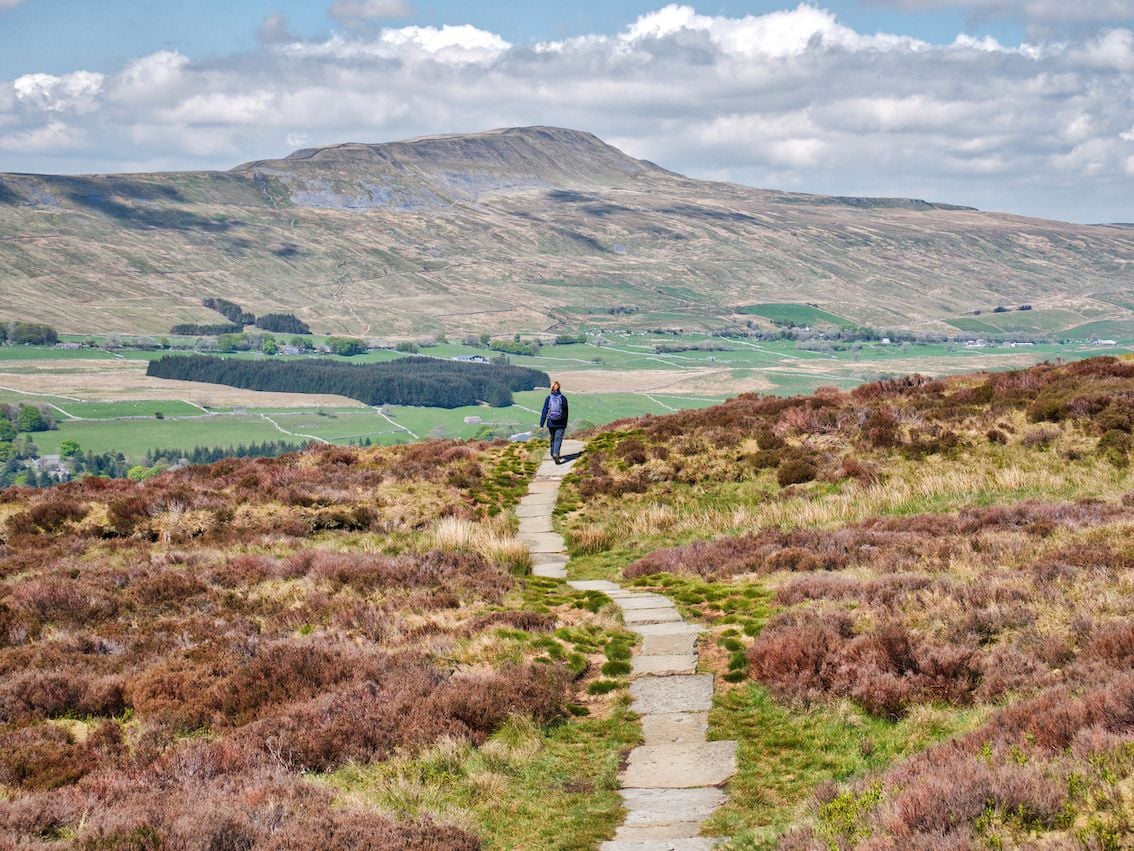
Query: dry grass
{"points": [[493, 540]]}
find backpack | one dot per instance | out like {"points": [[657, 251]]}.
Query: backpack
{"points": [[555, 406]]}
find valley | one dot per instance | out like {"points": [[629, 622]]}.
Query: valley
{"points": [[104, 401], [866, 463]]}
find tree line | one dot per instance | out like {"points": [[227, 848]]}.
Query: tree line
{"points": [[238, 317], [16, 457], [418, 381], [28, 334]]}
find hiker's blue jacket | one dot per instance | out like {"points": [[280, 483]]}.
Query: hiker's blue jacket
{"points": [[559, 423]]}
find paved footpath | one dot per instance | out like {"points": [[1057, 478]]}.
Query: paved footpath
{"points": [[672, 781]]}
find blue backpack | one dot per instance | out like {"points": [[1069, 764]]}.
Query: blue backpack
{"points": [[555, 406]]}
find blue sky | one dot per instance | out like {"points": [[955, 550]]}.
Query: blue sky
{"points": [[1023, 106], [57, 36]]}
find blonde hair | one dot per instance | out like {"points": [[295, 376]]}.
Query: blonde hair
{"points": [[554, 386]]}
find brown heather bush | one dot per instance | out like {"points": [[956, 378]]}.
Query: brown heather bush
{"points": [[409, 702], [880, 428], [211, 795], [53, 514], [805, 655], [1033, 766], [1040, 438], [460, 571], [129, 514], [866, 475], [42, 757], [768, 440], [796, 469], [632, 451], [60, 693]]}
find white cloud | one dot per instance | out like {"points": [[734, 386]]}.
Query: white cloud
{"points": [[224, 108], [348, 9], [793, 99], [75, 92], [151, 79], [53, 137], [275, 29], [208, 141], [454, 43], [1036, 12], [9, 4], [775, 35], [1113, 49]]}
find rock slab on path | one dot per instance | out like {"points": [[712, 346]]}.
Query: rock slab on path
{"points": [[671, 782]]}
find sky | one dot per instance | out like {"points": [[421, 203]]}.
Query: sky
{"points": [[1021, 106]]}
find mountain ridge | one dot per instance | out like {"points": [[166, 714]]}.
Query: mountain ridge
{"points": [[523, 230]]}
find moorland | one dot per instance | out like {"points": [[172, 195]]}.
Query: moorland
{"points": [[916, 596]]}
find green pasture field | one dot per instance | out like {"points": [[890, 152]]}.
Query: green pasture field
{"points": [[131, 427], [1121, 330], [1048, 322], [234, 426], [115, 410], [973, 325], [134, 438], [800, 314], [19, 353]]}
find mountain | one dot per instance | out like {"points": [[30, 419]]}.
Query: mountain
{"points": [[528, 229]]}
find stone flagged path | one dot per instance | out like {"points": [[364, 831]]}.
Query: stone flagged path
{"points": [[549, 552], [671, 781]]}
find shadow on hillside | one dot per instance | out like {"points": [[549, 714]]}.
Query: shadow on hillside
{"points": [[8, 195], [106, 197], [695, 211]]}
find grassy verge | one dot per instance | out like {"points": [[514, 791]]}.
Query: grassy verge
{"points": [[528, 786], [785, 755]]}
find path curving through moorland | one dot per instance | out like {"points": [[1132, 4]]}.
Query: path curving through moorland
{"points": [[672, 781]]}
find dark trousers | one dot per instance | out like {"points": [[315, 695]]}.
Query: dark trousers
{"points": [[556, 433]]}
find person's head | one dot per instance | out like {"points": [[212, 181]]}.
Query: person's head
{"points": [[555, 387]]}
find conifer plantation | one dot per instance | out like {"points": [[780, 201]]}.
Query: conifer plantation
{"points": [[427, 382]]}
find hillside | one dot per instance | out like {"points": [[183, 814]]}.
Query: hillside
{"points": [[918, 589], [529, 229], [197, 662], [915, 598]]}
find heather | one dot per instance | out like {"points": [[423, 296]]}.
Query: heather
{"points": [[917, 593], [181, 659]]}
